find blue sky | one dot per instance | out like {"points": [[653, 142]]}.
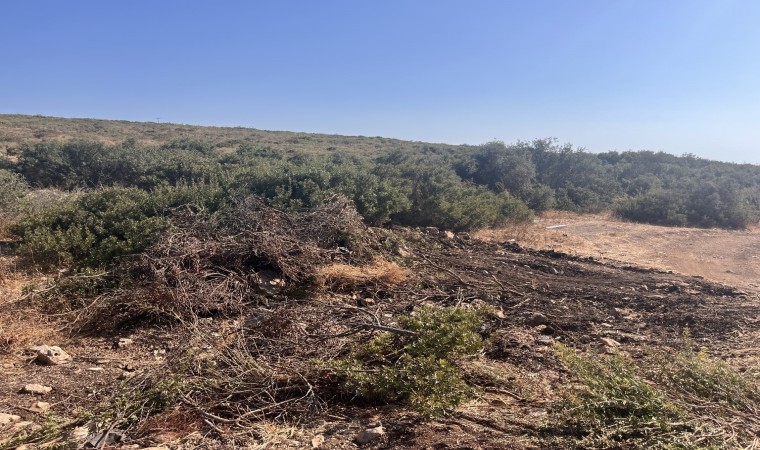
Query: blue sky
{"points": [[682, 76]]}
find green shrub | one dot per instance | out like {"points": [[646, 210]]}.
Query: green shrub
{"points": [[417, 369], [96, 228], [12, 189], [694, 373], [612, 407]]}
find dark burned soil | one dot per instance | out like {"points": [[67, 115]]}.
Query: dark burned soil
{"points": [[537, 297]]}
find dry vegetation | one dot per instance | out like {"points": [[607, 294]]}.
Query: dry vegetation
{"points": [[18, 129]]}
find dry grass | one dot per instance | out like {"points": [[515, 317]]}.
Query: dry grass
{"points": [[341, 276]]}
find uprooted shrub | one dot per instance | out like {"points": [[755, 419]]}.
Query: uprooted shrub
{"points": [[611, 406], [415, 365], [694, 374]]}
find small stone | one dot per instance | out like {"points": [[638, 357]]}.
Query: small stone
{"points": [[366, 302], [80, 434], [126, 375], [95, 369], [317, 441], [5, 419], [369, 435], [610, 342], [40, 407], [537, 319], [124, 342], [545, 340], [447, 234], [36, 389], [51, 355], [18, 426], [100, 440]]}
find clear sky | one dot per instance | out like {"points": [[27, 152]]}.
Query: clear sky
{"points": [[682, 76]]}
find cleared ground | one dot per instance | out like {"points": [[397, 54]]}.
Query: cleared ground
{"points": [[722, 256]]}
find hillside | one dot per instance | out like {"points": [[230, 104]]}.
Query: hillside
{"points": [[21, 129], [174, 287]]}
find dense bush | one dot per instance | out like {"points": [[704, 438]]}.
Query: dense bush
{"points": [[417, 368], [457, 188], [12, 189], [93, 229]]}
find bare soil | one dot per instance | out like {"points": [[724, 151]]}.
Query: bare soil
{"points": [[731, 257]]}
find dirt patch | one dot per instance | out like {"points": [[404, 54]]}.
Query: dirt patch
{"points": [[723, 256]]}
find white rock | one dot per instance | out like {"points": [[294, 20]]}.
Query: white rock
{"points": [[40, 407], [369, 435], [317, 441], [5, 419], [124, 342], [51, 355], [36, 389]]}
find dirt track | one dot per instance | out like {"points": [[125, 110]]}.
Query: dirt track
{"points": [[722, 256]]}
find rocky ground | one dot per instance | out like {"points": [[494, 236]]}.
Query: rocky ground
{"points": [[537, 297]]}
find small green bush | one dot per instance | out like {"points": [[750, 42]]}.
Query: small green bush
{"points": [[12, 189], [612, 407], [416, 369], [695, 374]]}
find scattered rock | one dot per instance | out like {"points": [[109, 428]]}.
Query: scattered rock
{"points": [[366, 302], [51, 355], [100, 440], [369, 435], [80, 434], [40, 407], [545, 340], [447, 234], [5, 419], [537, 319], [123, 342], [403, 252], [317, 441], [36, 389], [95, 369], [608, 346], [18, 426], [126, 375]]}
